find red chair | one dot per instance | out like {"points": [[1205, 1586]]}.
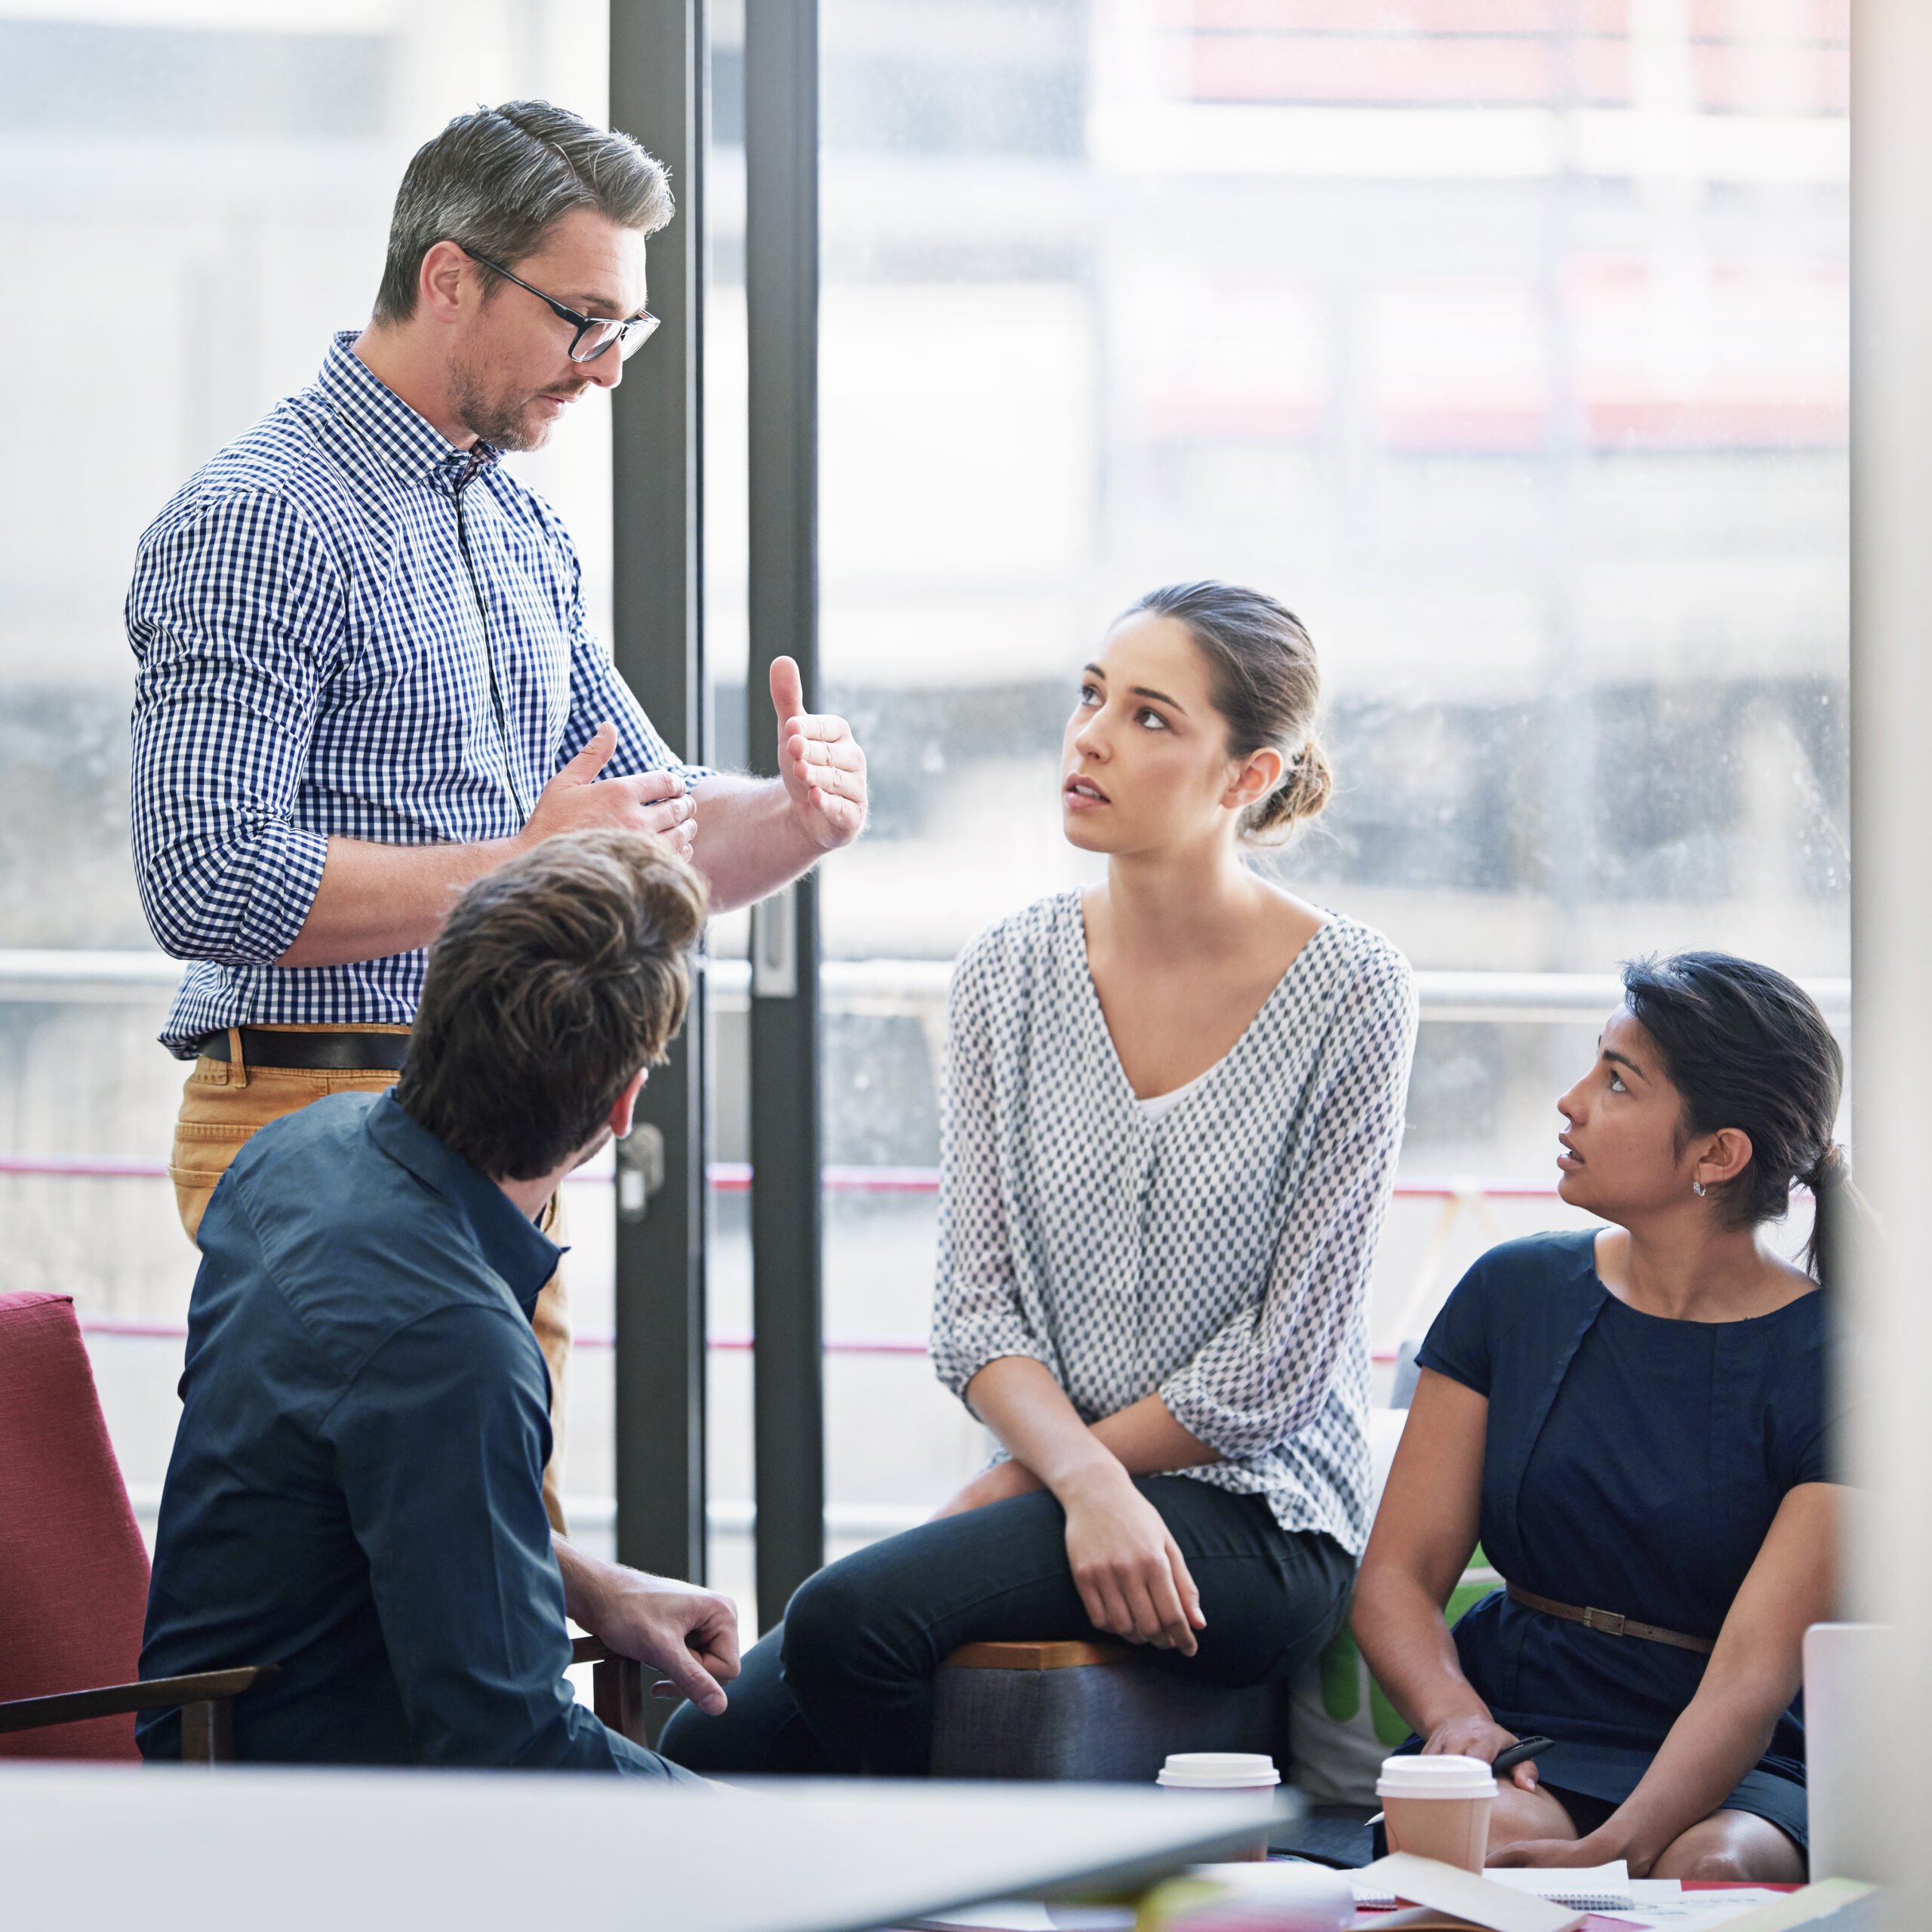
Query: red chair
{"points": [[73, 1573]]}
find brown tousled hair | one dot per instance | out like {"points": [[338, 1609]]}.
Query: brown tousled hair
{"points": [[1264, 680], [556, 978]]}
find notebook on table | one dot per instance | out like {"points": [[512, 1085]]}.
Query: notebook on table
{"points": [[1579, 1888]]}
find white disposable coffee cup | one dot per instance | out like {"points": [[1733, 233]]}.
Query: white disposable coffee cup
{"points": [[1227, 1774], [1438, 1807]]}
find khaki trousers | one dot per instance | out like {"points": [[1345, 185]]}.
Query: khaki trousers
{"points": [[224, 1102]]}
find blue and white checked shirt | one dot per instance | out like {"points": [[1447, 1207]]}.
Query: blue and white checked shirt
{"points": [[314, 658]]}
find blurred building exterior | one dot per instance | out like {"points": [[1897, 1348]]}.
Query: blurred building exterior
{"points": [[1505, 339]]}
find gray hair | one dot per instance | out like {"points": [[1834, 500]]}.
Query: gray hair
{"points": [[494, 181]]}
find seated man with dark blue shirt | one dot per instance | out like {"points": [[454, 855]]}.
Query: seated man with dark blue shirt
{"points": [[355, 1494]]}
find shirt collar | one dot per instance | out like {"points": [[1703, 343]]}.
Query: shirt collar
{"points": [[511, 1244], [415, 450]]}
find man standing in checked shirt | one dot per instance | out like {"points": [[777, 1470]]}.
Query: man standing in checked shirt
{"points": [[365, 676]]}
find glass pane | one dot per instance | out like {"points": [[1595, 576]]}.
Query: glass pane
{"points": [[1514, 360], [730, 1554], [242, 207]]}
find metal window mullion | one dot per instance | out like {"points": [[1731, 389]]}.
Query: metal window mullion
{"points": [[781, 296], [658, 93]]}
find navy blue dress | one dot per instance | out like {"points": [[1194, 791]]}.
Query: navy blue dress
{"points": [[1633, 1463]]}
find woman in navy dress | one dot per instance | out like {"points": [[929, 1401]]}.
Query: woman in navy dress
{"points": [[1635, 1422]]}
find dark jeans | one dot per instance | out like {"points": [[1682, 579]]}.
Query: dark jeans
{"points": [[845, 1685]]}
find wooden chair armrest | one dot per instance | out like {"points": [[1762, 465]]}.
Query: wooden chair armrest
{"points": [[114, 1700], [617, 1690]]}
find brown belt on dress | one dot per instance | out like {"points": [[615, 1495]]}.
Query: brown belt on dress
{"points": [[1609, 1622]]}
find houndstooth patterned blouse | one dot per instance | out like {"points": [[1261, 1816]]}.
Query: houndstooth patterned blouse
{"points": [[1220, 1255]]}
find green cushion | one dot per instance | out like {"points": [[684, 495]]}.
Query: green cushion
{"points": [[1342, 1724]]}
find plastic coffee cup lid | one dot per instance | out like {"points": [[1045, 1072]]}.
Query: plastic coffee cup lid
{"points": [[1443, 1777], [1218, 1770]]}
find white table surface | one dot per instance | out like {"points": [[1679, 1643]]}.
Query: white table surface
{"points": [[110, 1847]]}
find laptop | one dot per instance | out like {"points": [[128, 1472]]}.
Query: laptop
{"points": [[1847, 1666]]}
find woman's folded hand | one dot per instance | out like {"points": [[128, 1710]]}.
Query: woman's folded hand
{"points": [[1131, 1574]]}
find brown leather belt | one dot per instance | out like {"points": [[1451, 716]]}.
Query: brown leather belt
{"points": [[338, 1051], [1609, 1622]]}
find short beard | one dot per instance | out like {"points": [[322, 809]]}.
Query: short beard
{"points": [[493, 420]]}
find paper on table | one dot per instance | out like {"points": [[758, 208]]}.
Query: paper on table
{"points": [[1416, 1918], [1549, 1882], [1654, 1906], [1449, 1888], [1587, 1887], [1843, 1905]]}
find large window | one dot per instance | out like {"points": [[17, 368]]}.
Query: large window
{"points": [[193, 197], [1507, 344]]}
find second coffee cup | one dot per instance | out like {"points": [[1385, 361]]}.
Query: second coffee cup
{"points": [[1438, 1807], [1228, 1774]]}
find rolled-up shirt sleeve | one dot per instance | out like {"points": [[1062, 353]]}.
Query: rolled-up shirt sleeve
{"points": [[441, 1443], [977, 1314], [235, 611], [1266, 1372]]}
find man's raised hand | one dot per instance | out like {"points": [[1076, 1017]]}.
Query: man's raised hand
{"points": [[577, 799], [823, 769]]}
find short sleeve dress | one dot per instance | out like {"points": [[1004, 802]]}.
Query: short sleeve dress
{"points": [[1633, 1464]]}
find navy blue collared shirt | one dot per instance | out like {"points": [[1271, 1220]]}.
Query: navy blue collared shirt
{"points": [[355, 1494]]}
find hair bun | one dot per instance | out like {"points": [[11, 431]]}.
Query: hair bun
{"points": [[1305, 789]]}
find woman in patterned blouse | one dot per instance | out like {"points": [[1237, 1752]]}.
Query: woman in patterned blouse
{"points": [[1173, 1107]]}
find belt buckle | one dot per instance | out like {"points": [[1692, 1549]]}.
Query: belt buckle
{"points": [[1609, 1622]]}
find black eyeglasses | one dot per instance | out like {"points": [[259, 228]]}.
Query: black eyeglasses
{"points": [[594, 334]]}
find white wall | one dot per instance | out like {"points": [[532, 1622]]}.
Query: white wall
{"points": [[1888, 1366]]}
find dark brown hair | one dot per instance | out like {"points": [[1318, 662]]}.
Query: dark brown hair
{"points": [[1746, 1047], [492, 182], [557, 976], [1264, 680]]}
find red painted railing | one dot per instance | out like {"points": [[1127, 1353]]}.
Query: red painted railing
{"points": [[735, 1177], [726, 1177]]}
